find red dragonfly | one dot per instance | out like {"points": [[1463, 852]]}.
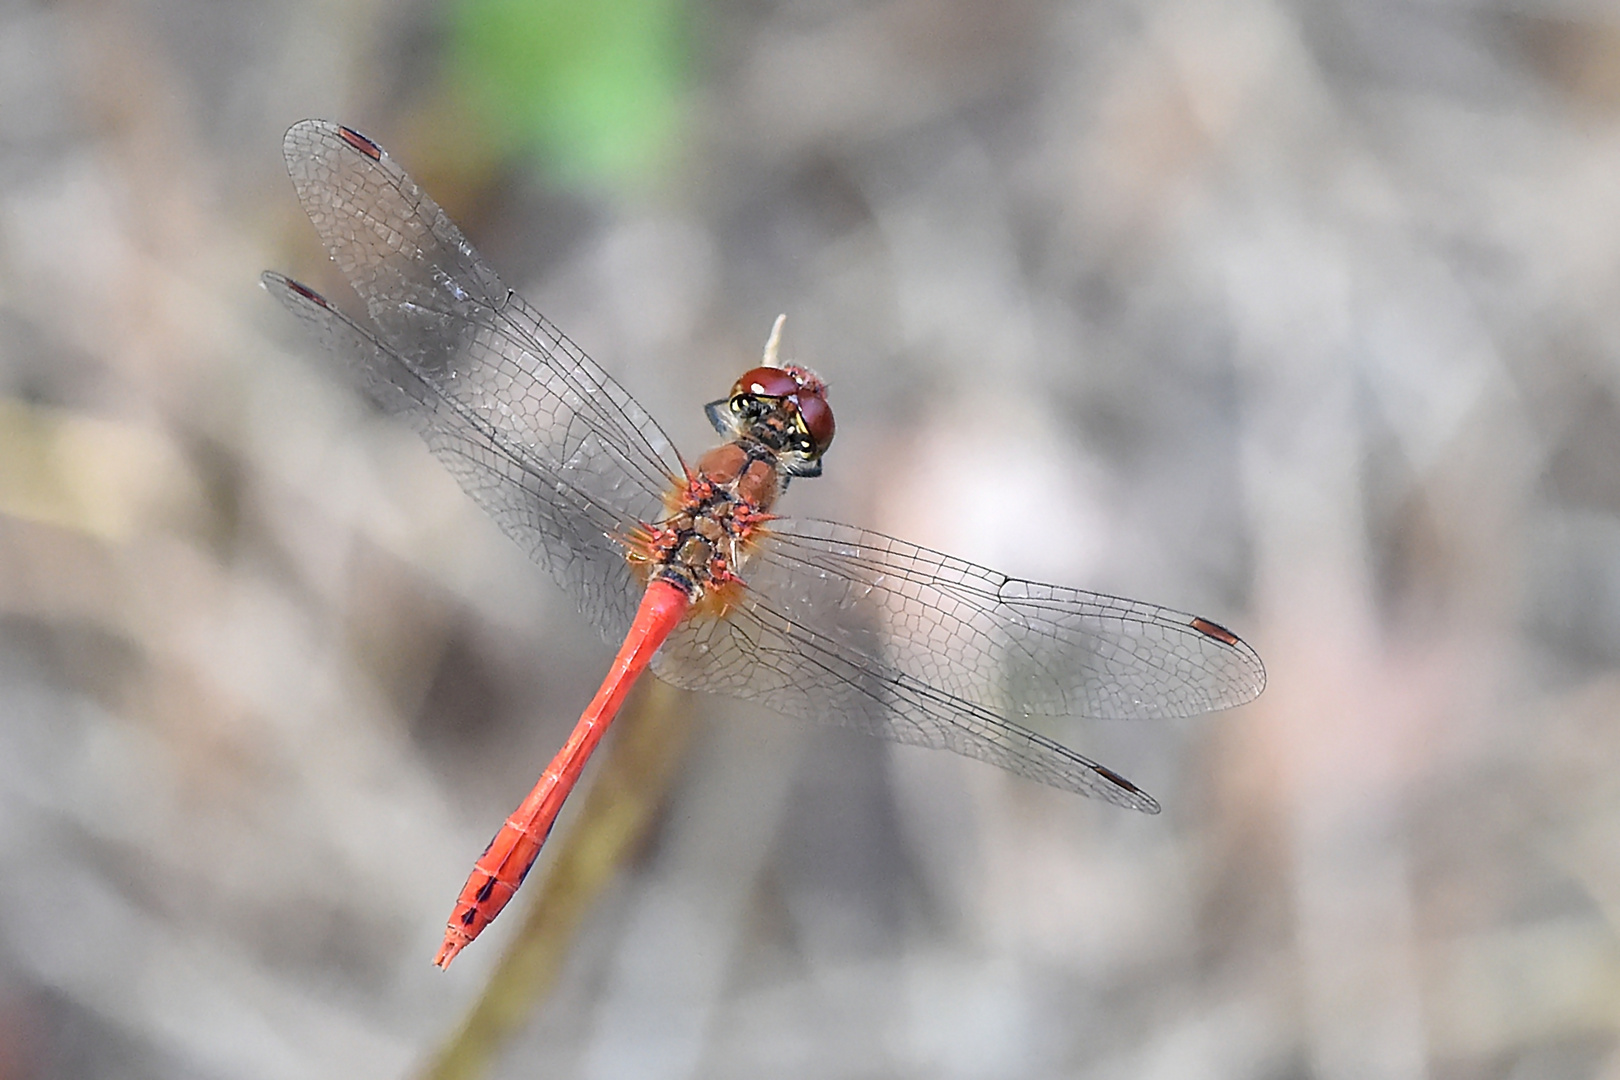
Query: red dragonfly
{"points": [[688, 566]]}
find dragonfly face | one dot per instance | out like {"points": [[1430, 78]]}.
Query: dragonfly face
{"points": [[784, 409]]}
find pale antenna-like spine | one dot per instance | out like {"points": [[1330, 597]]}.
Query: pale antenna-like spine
{"points": [[774, 342]]}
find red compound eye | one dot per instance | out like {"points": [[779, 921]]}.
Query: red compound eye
{"points": [[766, 382], [818, 421]]}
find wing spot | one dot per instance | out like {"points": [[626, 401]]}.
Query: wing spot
{"points": [[360, 143], [1114, 778], [1214, 630], [306, 292]]}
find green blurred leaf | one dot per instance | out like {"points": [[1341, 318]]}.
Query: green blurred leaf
{"points": [[594, 85]]}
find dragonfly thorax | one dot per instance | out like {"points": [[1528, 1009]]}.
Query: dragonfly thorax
{"points": [[715, 519]]}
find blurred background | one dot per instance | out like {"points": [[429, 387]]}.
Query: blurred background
{"points": [[1301, 315]]}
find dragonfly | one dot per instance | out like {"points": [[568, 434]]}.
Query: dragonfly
{"points": [[688, 568]]}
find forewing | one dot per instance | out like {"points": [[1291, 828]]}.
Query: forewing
{"points": [[531, 498], [999, 642], [455, 326]]}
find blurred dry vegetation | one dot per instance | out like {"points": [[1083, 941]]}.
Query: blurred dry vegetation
{"points": [[1301, 314]]}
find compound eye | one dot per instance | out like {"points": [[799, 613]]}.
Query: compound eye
{"points": [[766, 382], [818, 421]]}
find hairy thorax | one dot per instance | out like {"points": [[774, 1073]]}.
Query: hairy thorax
{"points": [[715, 518]]}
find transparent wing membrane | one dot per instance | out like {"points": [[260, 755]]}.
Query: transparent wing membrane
{"points": [[562, 526], [919, 647]]}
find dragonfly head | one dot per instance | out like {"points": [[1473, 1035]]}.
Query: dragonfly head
{"points": [[786, 409]]}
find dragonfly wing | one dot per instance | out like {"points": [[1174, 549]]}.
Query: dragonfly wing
{"points": [[500, 393], [921, 647], [759, 653], [1000, 642], [532, 499], [454, 324]]}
